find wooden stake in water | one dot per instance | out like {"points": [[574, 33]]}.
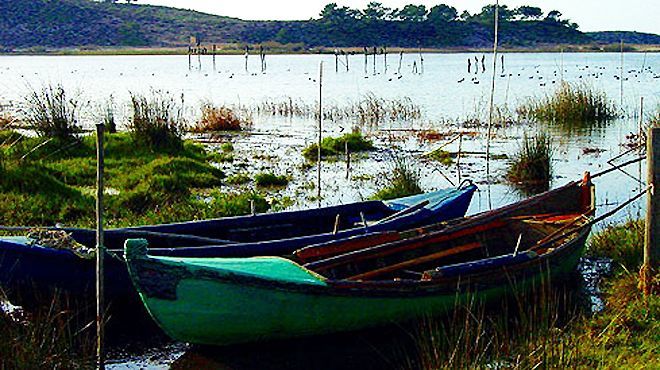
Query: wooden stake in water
{"points": [[491, 114], [621, 75], [348, 160], [652, 241], [318, 154], [99, 246]]}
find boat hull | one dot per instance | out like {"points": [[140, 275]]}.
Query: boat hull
{"points": [[221, 306]]}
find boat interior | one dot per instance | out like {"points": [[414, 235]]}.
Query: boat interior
{"points": [[392, 256]]}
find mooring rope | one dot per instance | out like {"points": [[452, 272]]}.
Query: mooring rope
{"points": [[619, 166]]}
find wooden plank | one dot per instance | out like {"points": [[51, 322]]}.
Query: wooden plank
{"points": [[399, 246], [652, 239], [309, 254], [416, 261]]}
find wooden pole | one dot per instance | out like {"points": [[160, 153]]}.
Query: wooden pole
{"points": [[348, 160], [621, 76], [100, 250], [320, 138], [491, 115], [652, 241]]}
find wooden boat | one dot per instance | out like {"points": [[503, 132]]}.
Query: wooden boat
{"points": [[29, 267], [219, 301]]}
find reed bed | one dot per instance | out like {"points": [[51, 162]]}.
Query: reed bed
{"points": [[157, 120], [570, 104], [531, 167], [368, 110], [403, 180], [220, 118], [52, 112]]}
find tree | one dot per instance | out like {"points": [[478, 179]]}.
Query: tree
{"points": [[376, 11], [554, 15], [488, 13], [412, 13], [332, 13], [529, 12], [443, 14]]}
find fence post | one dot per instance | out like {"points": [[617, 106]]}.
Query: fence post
{"points": [[652, 241]]}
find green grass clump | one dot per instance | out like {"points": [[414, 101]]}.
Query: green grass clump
{"points": [[402, 181], [231, 204], [444, 157], [52, 113], [570, 104], [238, 179], [267, 179], [531, 167], [337, 146], [157, 120], [227, 147], [622, 243]]}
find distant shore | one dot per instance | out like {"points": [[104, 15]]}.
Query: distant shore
{"points": [[233, 49]]}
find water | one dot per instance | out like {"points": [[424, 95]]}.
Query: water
{"points": [[276, 143]]}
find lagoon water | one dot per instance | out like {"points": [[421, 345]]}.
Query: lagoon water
{"points": [[446, 93]]}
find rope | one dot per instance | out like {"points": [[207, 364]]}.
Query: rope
{"points": [[618, 167]]}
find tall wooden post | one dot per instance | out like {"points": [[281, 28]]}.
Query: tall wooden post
{"points": [[320, 138], [99, 247], [652, 242]]}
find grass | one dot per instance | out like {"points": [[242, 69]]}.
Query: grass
{"points": [[335, 146], [238, 179], [571, 105], [546, 329], [267, 179], [145, 185], [622, 243], [531, 167], [368, 110], [221, 118], [47, 338], [444, 157], [52, 113], [157, 120], [402, 181]]}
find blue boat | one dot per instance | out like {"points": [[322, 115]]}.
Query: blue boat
{"points": [[29, 270]]}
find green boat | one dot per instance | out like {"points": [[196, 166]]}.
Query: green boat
{"points": [[221, 301]]}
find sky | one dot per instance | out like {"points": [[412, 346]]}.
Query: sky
{"points": [[591, 15]]}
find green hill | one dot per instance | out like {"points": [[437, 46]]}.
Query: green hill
{"points": [[82, 23]]}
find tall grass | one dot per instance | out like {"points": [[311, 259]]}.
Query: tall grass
{"points": [[52, 113], [157, 120], [526, 332], [48, 338], [531, 167], [109, 116], [220, 118], [570, 104], [403, 180], [621, 243]]}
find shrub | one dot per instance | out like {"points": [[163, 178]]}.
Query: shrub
{"points": [[531, 167], [337, 146], [51, 113], [157, 120], [220, 119], [403, 180]]}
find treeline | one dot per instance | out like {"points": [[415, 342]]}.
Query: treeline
{"points": [[443, 26], [80, 23]]}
